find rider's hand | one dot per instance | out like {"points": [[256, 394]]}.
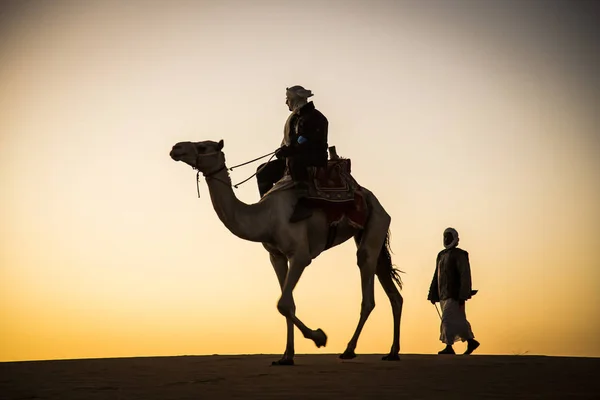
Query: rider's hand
{"points": [[283, 151]]}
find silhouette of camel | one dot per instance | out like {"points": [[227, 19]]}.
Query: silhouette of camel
{"points": [[297, 244]]}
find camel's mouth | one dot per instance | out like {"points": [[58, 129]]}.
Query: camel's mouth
{"points": [[177, 153]]}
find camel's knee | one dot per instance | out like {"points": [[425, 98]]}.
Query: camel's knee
{"points": [[367, 306], [286, 308]]}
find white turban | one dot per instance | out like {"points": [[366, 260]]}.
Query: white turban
{"points": [[299, 91], [454, 234]]}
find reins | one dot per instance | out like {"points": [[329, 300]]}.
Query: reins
{"points": [[211, 174], [251, 161], [257, 171]]}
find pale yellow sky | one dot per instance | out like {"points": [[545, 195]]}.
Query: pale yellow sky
{"points": [[463, 114]]}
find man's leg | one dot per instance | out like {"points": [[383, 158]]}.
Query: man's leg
{"points": [[472, 344], [268, 174], [467, 334], [447, 334]]}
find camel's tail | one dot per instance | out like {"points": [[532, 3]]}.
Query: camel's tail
{"points": [[384, 263]]}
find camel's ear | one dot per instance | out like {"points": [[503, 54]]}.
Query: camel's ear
{"points": [[220, 145]]}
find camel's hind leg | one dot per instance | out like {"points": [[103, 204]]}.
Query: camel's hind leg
{"points": [[388, 277], [369, 244]]}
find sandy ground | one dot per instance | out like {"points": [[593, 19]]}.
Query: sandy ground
{"points": [[313, 377]]}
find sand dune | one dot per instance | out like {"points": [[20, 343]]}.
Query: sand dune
{"points": [[313, 377]]}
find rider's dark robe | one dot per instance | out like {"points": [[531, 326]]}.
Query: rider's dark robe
{"points": [[312, 125]]}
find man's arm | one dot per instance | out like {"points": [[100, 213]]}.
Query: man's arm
{"points": [[311, 136], [312, 131], [434, 294]]}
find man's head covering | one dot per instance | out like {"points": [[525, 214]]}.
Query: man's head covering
{"points": [[299, 91], [454, 234]]}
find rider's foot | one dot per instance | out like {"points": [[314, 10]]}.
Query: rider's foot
{"points": [[301, 211]]}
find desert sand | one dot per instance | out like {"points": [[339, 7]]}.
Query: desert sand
{"points": [[313, 377]]}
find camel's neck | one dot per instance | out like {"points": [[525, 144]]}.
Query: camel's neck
{"points": [[246, 221]]}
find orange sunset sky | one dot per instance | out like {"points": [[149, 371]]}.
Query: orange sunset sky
{"points": [[481, 115]]}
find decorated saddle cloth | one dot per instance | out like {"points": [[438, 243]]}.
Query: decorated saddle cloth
{"points": [[334, 183], [333, 190]]}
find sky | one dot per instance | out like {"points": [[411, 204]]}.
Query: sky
{"points": [[480, 115]]}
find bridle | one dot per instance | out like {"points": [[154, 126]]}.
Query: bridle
{"points": [[209, 174], [212, 174]]}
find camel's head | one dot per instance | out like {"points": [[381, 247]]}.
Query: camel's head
{"points": [[206, 156]]}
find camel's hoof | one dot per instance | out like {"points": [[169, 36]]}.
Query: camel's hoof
{"points": [[283, 361], [320, 338], [391, 357], [348, 355]]}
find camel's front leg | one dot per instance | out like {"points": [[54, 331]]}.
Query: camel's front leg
{"points": [[280, 264], [286, 304]]}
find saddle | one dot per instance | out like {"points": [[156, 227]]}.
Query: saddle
{"points": [[333, 183], [331, 189], [335, 191]]}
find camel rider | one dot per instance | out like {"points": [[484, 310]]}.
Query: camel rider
{"points": [[304, 143]]}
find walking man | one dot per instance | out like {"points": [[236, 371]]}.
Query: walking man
{"points": [[451, 287]]}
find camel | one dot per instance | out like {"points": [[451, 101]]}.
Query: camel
{"points": [[293, 246]]}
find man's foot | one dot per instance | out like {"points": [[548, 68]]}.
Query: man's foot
{"points": [[472, 344], [447, 350], [301, 211]]}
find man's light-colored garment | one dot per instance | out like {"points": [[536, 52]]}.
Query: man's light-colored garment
{"points": [[454, 324]]}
